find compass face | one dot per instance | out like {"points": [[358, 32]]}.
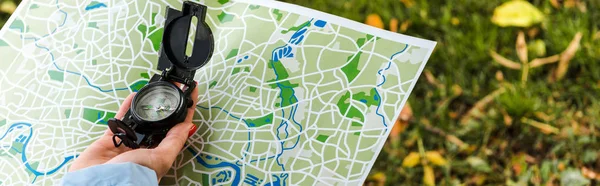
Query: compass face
{"points": [[157, 103]]}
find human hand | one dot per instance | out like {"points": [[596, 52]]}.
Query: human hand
{"points": [[159, 159]]}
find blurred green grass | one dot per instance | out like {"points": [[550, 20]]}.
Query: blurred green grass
{"points": [[507, 141]]}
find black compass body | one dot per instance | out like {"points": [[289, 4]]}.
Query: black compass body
{"points": [[164, 101]]}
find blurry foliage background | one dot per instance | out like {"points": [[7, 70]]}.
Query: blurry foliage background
{"points": [[511, 95]]}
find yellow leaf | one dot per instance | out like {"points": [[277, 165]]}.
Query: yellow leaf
{"points": [[394, 25], [379, 177], [408, 3], [545, 128], [570, 3], [404, 26], [455, 21], [374, 20], [411, 160], [428, 176], [402, 123], [8, 7], [555, 3], [435, 158], [456, 90], [517, 13]]}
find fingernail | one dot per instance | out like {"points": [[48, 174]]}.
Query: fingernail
{"points": [[196, 82], [192, 130]]}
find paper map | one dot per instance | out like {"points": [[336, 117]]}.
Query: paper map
{"points": [[292, 96]]}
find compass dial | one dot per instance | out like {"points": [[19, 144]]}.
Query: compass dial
{"points": [[157, 103]]}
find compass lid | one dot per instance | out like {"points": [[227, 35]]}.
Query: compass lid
{"points": [[176, 33]]}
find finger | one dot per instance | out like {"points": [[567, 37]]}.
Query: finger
{"points": [[191, 110], [170, 146], [122, 111]]}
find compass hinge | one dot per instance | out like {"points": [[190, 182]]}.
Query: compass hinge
{"points": [[180, 76]]}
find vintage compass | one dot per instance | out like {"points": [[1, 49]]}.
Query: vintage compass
{"points": [[161, 104]]}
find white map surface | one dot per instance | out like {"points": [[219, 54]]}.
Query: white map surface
{"points": [[291, 96]]}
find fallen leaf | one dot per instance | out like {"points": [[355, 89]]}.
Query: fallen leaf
{"points": [[379, 177], [530, 159], [575, 127], [406, 114], [394, 25], [374, 20], [582, 7], [478, 179], [542, 61], [507, 119], [561, 166], [457, 141], [518, 164], [428, 175], [404, 26], [570, 3], [478, 164], [545, 128], [550, 181], [566, 57], [436, 158], [398, 128], [455, 21], [8, 7], [411, 160], [579, 114], [401, 123], [453, 115], [522, 48], [517, 13], [408, 3], [505, 62], [590, 174], [456, 90], [555, 3], [573, 177], [479, 105], [431, 79]]}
